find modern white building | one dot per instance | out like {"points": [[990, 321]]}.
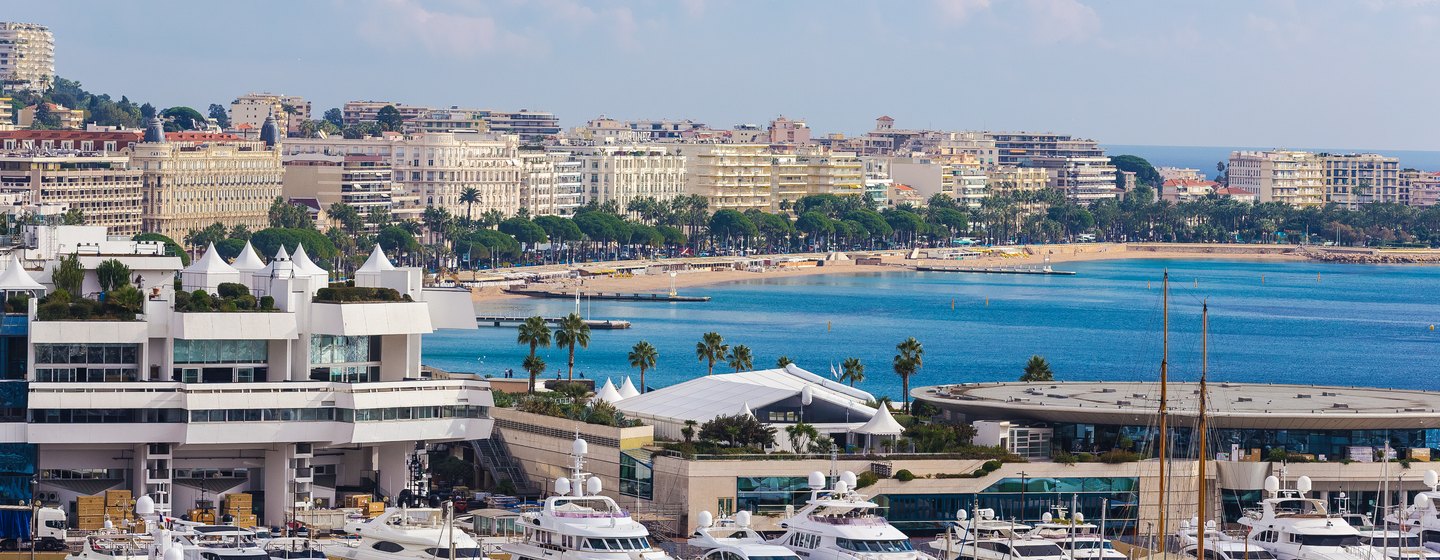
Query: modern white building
{"points": [[286, 388], [248, 112], [1292, 177], [27, 57]]}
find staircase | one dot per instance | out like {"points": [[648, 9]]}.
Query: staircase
{"points": [[492, 455]]}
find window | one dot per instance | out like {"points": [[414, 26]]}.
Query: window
{"points": [[461, 553], [387, 546]]}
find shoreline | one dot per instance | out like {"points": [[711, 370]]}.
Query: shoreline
{"points": [[897, 261]]}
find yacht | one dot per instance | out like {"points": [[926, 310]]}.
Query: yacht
{"points": [[1292, 526], [986, 538], [292, 548], [733, 539], [1081, 540], [578, 523], [1421, 519], [186, 540], [1218, 545], [841, 524], [114, 546], [402, 533]]}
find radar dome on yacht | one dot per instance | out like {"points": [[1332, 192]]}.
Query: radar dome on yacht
{"points": [[742, 519], [1422, 501], [1432, 479], [961, 515], [817, 480], [1210, 524], [562, 486], [593, 486], [705, 519], [1079, 517], [1046, 517], [848, 477], [174, 553], [579, 447], [1194, 521], [841, 487], [1303, 484], [1272, 484], [109, 524], [145, 506], [1185, 525]]}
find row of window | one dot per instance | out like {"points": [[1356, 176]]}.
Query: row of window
{"points": [[221, 351], [336, 414], [90, 353], [87, 375]]}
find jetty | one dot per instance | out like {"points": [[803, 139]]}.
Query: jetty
{"points": [[510, 321], [609, 296], [1038, 270]]}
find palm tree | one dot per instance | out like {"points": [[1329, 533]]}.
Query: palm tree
{"points": [[907, 363], [783, 361], [711, 348], [740, 358], [469, 196], [1037, 369], [534, 365], [536, 333], [852, 371], [643, 356], [572, 331]]}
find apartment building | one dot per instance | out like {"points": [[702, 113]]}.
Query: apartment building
{"points": [[969, 185], [439, 166], [248, 112], [789, 181], [931, 175], [625, 172], [365, 183], [1082, 178], [532, 127], [730, 176], [832, 172], [356, 112], [1292, 177], [189, 185], [978, 145], [789, 131], [105, 188], [1420, 188], [877, 178], [538, 179], [1355, 179], [27, 57], [1017, 148], [107, 141], [65, 117], [182, 403]]}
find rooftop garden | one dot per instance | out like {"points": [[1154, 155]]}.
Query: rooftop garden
{"points": [[349, 293], [229, 297], [567, 400], [118, 300]]}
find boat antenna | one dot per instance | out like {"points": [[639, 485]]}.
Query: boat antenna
{"points": [[1164, 365], [1204, 365]]}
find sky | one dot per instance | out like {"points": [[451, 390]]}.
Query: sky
{"points": [[1356, 73]]}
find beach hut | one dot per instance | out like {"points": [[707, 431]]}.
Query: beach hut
{"points": [[881, 424], [608, 393], [627, 389]]}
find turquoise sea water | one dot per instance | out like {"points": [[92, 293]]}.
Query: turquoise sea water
{"points": [[1304, 323]]}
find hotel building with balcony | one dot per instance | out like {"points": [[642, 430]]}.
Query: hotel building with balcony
{"points": [[1293, 177], [204, 179], [1355, 179], [104, 187], [292, 401], [27, 57], [360, 181], [731, 176]]}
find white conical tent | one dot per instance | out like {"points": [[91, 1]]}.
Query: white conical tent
{"points": [[306, 267], [746, 410], [279, 267], [208, 272], [627, 389], [15, 279], [377, 262], [608, 393], [881, 424], [248, 260]]}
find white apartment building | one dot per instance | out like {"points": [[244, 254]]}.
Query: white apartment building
{"points": [[27, 57], [1180, 174], [551, 184], [970, 185], [291, 402], [1355, 179], [832, 172], [365, 183], [1420, 188], [251, 109], [105, 188], [193, 184], [976, 144], [1292, 177], [1082, 178], [625, 172], [730, 176]]}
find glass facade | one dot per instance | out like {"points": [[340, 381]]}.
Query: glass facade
{"points": [[637, 477], [17, 465], [1330, 443], [770, 494], [344, 359], [86, 363], [220, 361], [926, 514], [105, 415]]}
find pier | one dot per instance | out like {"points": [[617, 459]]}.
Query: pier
{"points": [[509, 321], [610, 296], [1040, 270]]}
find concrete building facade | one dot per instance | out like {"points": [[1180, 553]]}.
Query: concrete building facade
{"points": [[730, 176], [1292, 177], [191, 185], [251, 110], [625, 172], [105, 188], [27, 57], [439, 166], [363, 182], [1355, 179]]}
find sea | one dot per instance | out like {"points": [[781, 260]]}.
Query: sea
{"points": [[1204, 158], [1270, 322]]}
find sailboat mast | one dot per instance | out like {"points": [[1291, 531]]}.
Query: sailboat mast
{"points": [[1164, 396], [1204, 453]]}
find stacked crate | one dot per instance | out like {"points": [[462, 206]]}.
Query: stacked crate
{"points": [[358, 501], [90, 513], [118, 505], [239, 507]]}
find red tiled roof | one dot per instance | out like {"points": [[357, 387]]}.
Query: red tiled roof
{"points": [[1190, 183], [904, 188]]}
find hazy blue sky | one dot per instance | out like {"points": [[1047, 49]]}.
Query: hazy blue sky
{"points": [[1358, 73]]}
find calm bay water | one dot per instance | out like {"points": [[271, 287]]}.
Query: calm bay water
{"points": [[1303, 323]]}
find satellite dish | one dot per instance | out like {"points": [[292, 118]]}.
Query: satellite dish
{"points": [[1272, 484], [174, 553], [579, 447], [1210, 524], [562, 486], [1079, 518], [1303, 485], [1432, 479], [848, 478], [705, 519], [593, 486], [1046, 517], [817, 480], [1422, 501], [806, 396], [841, 487], [742, 519], [144, 506], [961, 515]]}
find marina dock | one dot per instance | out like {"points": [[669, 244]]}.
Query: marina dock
{"points": [[508, 321], [1040, 270], [610, 296]]}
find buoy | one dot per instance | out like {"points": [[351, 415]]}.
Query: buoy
{"points": [[952, 304], [827, 326], [1148, 286], [1262, 278], [1432, 328], [987, 302], [1197, 282], [1317, 277]]}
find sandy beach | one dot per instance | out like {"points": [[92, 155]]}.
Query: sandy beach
{"points": [[894, 261]]}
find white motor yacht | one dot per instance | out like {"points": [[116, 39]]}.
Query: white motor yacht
{"points": [[406, 534], [1292, 526], [114, 546], [1218, 545], [986, 538], [1081, 540], [578, 523], [841, 524], [1422, 518], [733, 539]]}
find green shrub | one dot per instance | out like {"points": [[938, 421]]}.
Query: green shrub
{"points": [[991, 466], [1117, 456], [351, 294], [18, 303], [245, 301], [232, 290], [904, 475], [267, 303], [1065, 458], [866, 478]]}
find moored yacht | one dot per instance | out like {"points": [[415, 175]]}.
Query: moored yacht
{"points": [[733, 539], [1081, 540], [578, 523], [1292, 526], [986, 538], [113, 546], [1218, 545], [841, 524], [406, 534], [1421, 519]]}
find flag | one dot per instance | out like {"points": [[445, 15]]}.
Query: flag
{"points": [[834, 372]]}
